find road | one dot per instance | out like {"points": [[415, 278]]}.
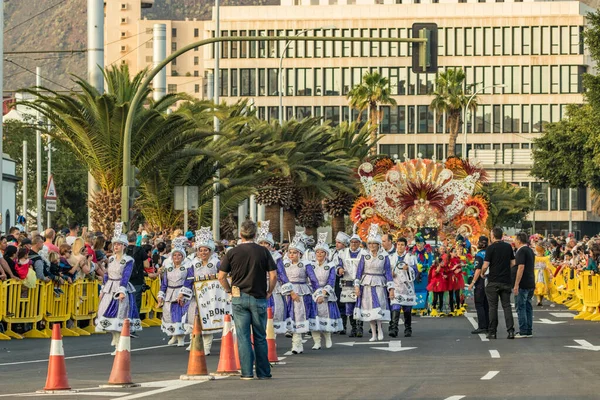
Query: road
{"points": [[445, 362]]}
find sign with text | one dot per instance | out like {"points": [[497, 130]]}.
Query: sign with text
{"points": [[213, 304]]}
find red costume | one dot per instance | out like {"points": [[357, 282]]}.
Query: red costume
{"points": [[456, 280], [438, 281]]}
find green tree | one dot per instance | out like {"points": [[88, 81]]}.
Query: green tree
{"points": [[450, 99], [508, 204], [374, 90]]}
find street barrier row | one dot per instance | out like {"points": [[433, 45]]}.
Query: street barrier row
{"points": [[78, 303], [579, 291]]}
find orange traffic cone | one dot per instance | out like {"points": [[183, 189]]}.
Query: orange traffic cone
{"points": [[197, 370], [227, 364], [271, 343], [120, 375], [236, 350], [57, 380]]}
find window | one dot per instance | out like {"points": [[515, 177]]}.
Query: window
{"points": [[234, 46], [173, 32], [304, 82], [411, 120], [555, 40], [149, 44], [468, 41], [196, 88], [511, 118], [273, 113], [483, 119], [546, 40], [123, 34], [224, 45], [332, 114], [498, 41], [332, 81], [171, 88], [314, 2], [425, 121], [497, 119], [252, 45], [303, 112], [196, 32], [273, 82], [247, 82], [526, 119], [196, 73], [124, 20], [525, 41], [426, 150], [173, 46], [196, 60], [536, 45], [393, 150], [224, 82]]}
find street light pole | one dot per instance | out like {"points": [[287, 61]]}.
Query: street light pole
{"points": [[216, 209], [287, 44], [38, 156], [465, 155]]}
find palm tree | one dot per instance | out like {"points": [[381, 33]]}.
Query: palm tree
{"points": [[450, 98], [91, 124], [508, 204], [372, 91], [357, 145]]}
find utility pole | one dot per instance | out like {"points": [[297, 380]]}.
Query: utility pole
{"points": [[38, 156], [49, 214], [25, 180], [95, 50], [216, 222], [159, 47]]}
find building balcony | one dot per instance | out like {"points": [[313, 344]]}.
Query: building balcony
{"points": [[503, 159]]}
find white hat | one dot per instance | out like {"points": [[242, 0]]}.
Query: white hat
{"points": [[374, 236], [354, 234], [342, 237], [204, 238], [178, 245], [297, 243], [322, 243], [118, 235], [263, 233]]}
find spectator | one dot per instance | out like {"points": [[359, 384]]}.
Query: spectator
{"points": [[55, 274], [159, 255], [14, 231], [82, 259], [23, 263], [524, 284], [89, 242], [499, 259], [67, 270], [101, 259], [248, 264], [49, 243], [5, 269], [10, 255], [140, 262], [73, 233], [39, 265]]}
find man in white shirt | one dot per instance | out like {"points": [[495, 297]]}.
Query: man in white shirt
{"points": [[387, 243], [73, 233]]}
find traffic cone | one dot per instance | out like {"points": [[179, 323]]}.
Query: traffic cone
{"points": [[236, 350], [227, 359], [271, 342], [197, 370], [120, 375], [57, 380]]}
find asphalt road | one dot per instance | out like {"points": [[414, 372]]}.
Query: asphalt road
{"points": [[444, 361]]}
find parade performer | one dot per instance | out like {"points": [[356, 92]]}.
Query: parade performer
{"points": [[437, 284], [298, 294], [205, 263], [424, 259], [455, 281], [404, 272], [117, 301], [342, 240], [276, 301], [175, 292], [350, 258], [543, 272], [322, 278], [373, 280]]}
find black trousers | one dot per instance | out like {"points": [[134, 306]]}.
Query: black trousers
{"points": [[502, 291], [438, 300], [338, 291], [481, 304], [454, 298]]}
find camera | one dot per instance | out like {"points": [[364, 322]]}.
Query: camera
{"points": [[145, 287]]}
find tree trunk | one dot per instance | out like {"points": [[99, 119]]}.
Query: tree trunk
{"points": [[311, 231], [338, 224], [105, 210], [289, 224], [272, 214], [453, 135]]}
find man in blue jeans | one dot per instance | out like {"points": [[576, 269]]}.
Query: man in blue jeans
{"points": [[248, 265], [524, 285]]}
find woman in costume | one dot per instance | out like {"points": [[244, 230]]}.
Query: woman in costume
{"points": [[205, 262], [301, 310], [456, 281], [276, 301], [117, 300], [322, 278], [543, 272], [373, 281], [175, 292], [438, 284]]}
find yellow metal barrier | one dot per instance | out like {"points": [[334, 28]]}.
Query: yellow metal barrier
{"points": [[560, 285], [590, 296], [148, 304], [572, 282], [84, 305], [58, 308], [3, 308], [577, 303], [24, 306], [155, 288]]}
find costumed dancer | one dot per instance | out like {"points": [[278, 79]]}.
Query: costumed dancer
{"points": [[437, 285], [205, 263], [372, 283], [322, 275], [455, 281], [175, 292], [301, 310], [478, 282], [404, 272], [543, 274], [342, 240], [424, 259], [350, 258], [117, 300], [276, 301]]}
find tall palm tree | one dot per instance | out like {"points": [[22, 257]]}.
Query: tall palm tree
{"points": [[92, 125], [366, 96], [450, 98], [357, 144]]}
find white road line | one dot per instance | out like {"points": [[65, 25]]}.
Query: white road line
{"points": [[562, 315], [288, 353], [489, 375], [474, 323], [457, 397], [495, 353]]}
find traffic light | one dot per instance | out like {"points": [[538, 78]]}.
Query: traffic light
{"points": [[425, 55]]}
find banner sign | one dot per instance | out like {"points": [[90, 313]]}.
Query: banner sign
{"points": [[213, 304]]}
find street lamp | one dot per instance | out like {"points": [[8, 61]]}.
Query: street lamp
{"points": [[465, 155], [287, 44], [534, 207]]}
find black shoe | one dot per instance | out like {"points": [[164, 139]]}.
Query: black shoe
{"points": [[352, 333], [265, 377], [491, 336], [511, 335], [288, 334], [342, 332], [407, 332], [359, 331], [478, 331], [393, 334]]}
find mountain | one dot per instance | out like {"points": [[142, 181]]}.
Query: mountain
{"points": [[63, 27]]}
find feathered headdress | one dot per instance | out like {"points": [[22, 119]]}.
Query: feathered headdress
{"points": [[374, 236], [118, 235], [322, 242], [204, 238], [298, 243], [179, 244]]}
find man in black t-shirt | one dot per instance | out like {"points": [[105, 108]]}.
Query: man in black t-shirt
{"points": [[499, 259], [248, 264], [477, 285], [524, 284]]}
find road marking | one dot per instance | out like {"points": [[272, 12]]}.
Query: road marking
{"points": [[489, 375], [170, 385], [549, 322], [474, 323], [394, 347], [357, 343], [562, 315], [288, 353], [457, 397], [584, 345], [74, 393], [495, 353]]}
